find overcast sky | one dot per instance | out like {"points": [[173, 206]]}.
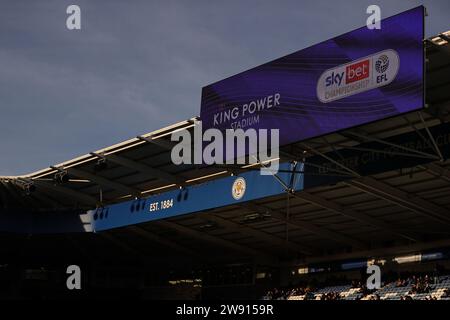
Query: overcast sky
{"points": [[137, 66]]}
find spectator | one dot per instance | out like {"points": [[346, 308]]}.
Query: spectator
{"points": [[418, 284]]}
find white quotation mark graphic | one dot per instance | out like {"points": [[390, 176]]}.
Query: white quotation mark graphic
{"points": [[374, 20], [74, 280], [374, 280], [73, 21]]}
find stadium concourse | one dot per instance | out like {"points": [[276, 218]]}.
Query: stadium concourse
{"points": [[375, 194]]}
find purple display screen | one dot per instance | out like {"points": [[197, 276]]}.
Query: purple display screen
{"points": [[356, 78]]}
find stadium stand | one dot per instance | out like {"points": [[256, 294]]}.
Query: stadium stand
{"points": [[436, 289], [251, 246]]}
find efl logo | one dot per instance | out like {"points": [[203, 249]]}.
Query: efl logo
{"points": [[361, 75], [357, 71]]}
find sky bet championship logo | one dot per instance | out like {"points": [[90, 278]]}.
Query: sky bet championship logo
{"points": [[364, 74]]}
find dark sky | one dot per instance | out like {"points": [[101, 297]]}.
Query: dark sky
{"points": [[137, 66]]}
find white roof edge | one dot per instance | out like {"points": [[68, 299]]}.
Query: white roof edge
{"points": [[177, 125], [89, 156]]}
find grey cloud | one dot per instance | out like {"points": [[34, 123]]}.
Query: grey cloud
{"points": [[139, 65]]}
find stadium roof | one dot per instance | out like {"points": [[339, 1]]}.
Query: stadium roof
{"points": [[399, 207]]}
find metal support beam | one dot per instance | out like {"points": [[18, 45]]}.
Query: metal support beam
{"points": [[316, 152], [393, 153], [394, 195], [21, 199], [143, 168], [356, 215], [259, 234], [274, 175], [165, 144], [437, 171], [371, 138], [76, 195], [212, 239], [307, 226], [102, 181], [42, 198], [38, 200], [442, 48], [433, 141], [444, 37], [385, 191], [165, 242], [408, 201], [373, 252]]}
